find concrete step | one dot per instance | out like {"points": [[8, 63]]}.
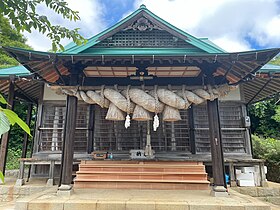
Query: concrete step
{"points": [[110, 162], [271, 199], [149, 184], [141, 175], [142, 172], [143, 168]]}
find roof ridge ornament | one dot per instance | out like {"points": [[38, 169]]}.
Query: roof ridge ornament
{"points": [[143, 6], [142, 24]]}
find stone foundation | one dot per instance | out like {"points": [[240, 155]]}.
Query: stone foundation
{"points": [[9, 193]]}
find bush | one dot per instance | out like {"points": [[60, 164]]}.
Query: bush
{"points": [[13, 159], [269, 150]]}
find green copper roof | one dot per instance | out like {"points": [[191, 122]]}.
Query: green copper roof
{"points": [[203, 45], [140, 51], [270, 68], [15, 70]]}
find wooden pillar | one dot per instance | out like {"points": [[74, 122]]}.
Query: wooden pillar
{"points": [[69, 134], [218, 167], [191, 129], [5, 136], [39, 118], [68, 138], [26, 136], [91, 128]]}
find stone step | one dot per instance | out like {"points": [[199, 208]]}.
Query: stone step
{"points": [[141, 172], [271, 199], [149, 184], [114, 162], [142, 177]]}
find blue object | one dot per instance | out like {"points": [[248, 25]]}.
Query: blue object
{"points": [[227, 178]]}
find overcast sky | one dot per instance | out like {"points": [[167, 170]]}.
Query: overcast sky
{"points": [[234, 25]]}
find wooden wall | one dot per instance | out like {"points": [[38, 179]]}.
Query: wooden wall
{"points": [[170, 136]]}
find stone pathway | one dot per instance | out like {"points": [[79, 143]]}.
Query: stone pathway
{"points": [[140, 199]]}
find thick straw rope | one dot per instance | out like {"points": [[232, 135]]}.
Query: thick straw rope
{"points": [[153, 102]]}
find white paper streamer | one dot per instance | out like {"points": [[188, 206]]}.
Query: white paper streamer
{"points": [[127, 121], [156, 122]]}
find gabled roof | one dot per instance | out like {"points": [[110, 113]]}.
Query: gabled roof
{"points": [[202, 44]]}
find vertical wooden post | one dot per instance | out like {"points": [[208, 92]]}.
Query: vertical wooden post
{"points": [[68, 138], [191, 129], [39, 117], [32, 142], [69, 134], [91, 128], [26, 136], [218, 167], [173, 139], [5, 136]]}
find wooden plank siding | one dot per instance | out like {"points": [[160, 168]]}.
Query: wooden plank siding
{"points": [[234, 135], [112, 135], [109, 135], [51, 129]]}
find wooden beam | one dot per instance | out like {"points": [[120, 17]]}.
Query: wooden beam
{"points": [[191, 127], [91, 128], [25, 138], [260, 90], [5, 136], [218, 168]]}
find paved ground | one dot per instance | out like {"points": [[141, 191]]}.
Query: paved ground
{"points": [[7, 205], [140, 199], [137, 199]]}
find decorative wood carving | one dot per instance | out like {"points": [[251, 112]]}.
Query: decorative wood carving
{"points": [[142, 24]]}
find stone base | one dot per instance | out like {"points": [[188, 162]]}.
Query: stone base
{"points": [[65, 190], [219, 191], [233, 183], [50, 182], [19, 182], [264, 184]]}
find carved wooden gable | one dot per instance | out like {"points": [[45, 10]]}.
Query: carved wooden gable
{"points": [[143, 33]]}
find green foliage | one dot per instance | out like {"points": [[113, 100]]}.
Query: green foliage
{"points": [[16, 133], [276, 61], [13, 159], [9, 37], [24, 17], [265, 118], [1, 176], [9, 117], [269, 150]]}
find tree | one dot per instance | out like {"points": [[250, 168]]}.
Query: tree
{"points": [[8, 117], [9, 36], [276, 60], [24, 17], [265, 118]]}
